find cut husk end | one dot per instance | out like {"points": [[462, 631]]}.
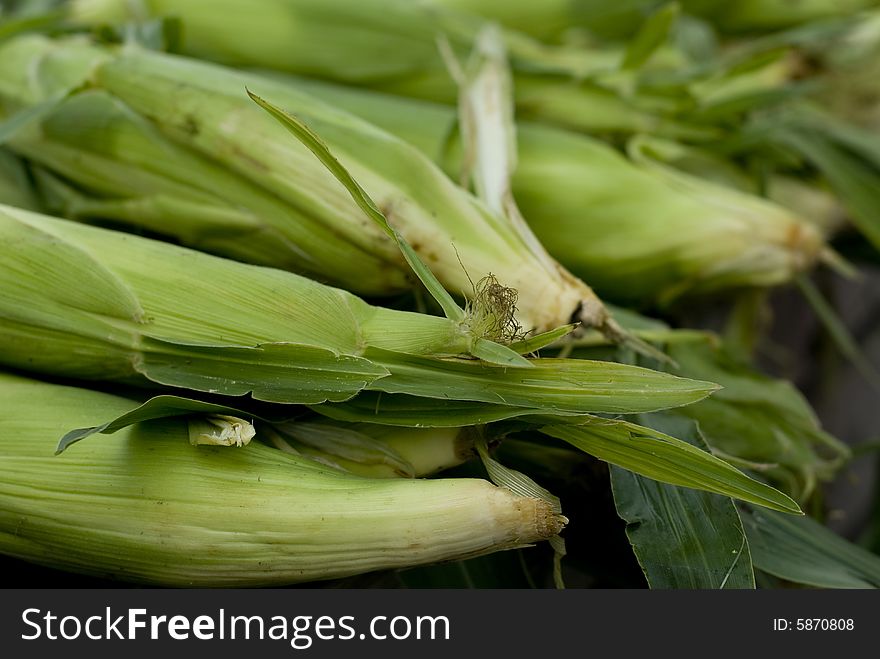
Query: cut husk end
{"points": [[547, 523]]}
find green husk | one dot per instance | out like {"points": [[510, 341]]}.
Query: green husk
{"points": [[637, 229], [145, 506], [669, 460], [175, 146], [85, 302]]}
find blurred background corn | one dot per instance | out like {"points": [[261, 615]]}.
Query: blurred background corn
{"points": [[392, 45], [639, 231]]}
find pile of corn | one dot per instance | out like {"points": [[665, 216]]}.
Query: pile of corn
{"points": [[302, 256]]}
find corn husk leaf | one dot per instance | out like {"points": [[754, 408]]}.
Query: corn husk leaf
{"points": [[660, 457], [412, 412], [416, 412], [565, 385], [534, 343]]}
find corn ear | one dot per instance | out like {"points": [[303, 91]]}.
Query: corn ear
{"points": [[396, 40], [126, 147], [641, 449], [638, 229], [145, 506], [86, 302]]}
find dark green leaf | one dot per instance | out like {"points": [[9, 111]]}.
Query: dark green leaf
{"points": [[683, 538], [495, 353], [802, 550]]}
